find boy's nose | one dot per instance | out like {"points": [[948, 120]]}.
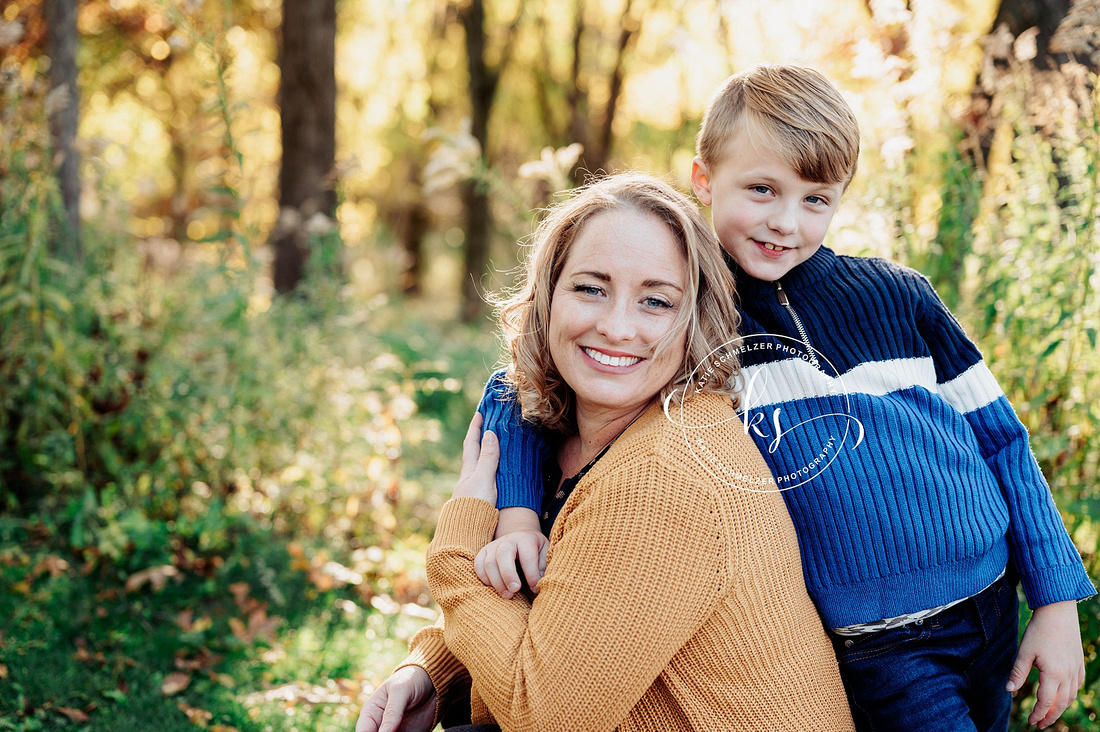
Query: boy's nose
{"points": [[783, 219]]}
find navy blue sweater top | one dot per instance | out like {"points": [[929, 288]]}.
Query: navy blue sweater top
{"points": [[907, 474]]}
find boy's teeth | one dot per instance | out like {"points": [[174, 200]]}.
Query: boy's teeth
{"points": [[773, 247], [612, 360]]}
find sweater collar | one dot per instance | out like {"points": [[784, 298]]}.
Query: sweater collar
{"points": [[810, 272]]}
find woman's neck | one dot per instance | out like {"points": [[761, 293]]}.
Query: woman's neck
{"points": [[596, 429]]}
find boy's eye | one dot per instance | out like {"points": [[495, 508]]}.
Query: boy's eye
{"points": [[815, 199], [761, 189]]}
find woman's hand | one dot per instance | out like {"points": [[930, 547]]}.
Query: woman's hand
{"points": [[405, 702], [478, 478]]}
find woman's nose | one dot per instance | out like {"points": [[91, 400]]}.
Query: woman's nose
{"points": [[616, 323]]}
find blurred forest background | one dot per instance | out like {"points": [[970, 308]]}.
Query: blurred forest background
{"points": [[243, 251]]}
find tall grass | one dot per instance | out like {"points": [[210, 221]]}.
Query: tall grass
{"points": [[1026, 263]]}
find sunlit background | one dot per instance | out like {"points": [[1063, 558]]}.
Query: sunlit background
{"points": [[215, 497]]}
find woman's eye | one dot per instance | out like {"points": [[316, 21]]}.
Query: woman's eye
{"points": [[587, 289], [657, 302]]}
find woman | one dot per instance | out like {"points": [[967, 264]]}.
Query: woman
{"points": [[672, 599]]}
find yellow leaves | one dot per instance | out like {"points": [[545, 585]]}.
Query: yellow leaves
{"points": [[3, 671], [201, 718], [186, 622], [196, 716], [155, 576], [174, 683]]}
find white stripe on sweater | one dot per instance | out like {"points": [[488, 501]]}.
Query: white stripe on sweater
{"points": [[793, 379]]}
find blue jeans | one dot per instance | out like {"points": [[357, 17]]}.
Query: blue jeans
{"points": [[945, 673]]}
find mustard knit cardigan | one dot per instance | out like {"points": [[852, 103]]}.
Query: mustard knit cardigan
{"points": [[671, 600]]}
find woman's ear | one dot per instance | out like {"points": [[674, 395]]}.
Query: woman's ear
{"points": [[700, 180]]}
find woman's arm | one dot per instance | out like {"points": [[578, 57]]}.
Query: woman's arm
{"points": [[635, 568]]}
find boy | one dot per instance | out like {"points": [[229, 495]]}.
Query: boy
{"points": [[908, 531]]}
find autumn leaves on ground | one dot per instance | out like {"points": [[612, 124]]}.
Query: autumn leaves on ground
{"points": [[270, 602]]}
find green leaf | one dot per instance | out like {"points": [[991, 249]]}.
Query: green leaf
{"points": [[1050, 349]]}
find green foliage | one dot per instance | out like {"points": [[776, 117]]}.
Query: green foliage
{"points": [[196, 480], [1032, 300]]}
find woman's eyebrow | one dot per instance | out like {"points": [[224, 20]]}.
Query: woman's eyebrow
{"points": [[601, 276], [662, 283], [604, 277]]}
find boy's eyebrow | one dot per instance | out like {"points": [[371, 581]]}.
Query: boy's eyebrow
{"points": [[604, 277]]}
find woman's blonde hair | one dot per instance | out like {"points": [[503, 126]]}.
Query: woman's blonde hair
{"points": [[707, 314]]}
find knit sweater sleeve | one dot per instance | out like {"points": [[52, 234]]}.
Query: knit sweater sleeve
{"points": [[522, 446], [428, 650], [634, 550], [1050, 566]]}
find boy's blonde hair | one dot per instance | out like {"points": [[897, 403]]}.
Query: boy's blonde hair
{"points": [[707, 313], [790, 111]]}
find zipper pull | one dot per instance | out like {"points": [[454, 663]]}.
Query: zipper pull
{"points": [[782, 295]]}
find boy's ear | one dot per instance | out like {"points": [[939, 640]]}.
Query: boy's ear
{"points": [[700, 180]]}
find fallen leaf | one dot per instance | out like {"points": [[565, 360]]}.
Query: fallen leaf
{"points": [[239, 630], [195, 715], [240, 591], [203, 659], [224, 679], [155, 576], [259, 626], [74, 715], [174, 683], [222, 728], [55, 566], [184, 619], [3, 671]]}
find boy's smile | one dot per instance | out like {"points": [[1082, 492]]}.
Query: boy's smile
{"points": [[768, 217]]}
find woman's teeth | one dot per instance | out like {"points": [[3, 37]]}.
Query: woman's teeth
{"points": [[611, 360]]}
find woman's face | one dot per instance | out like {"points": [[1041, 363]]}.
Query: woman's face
{"points": [[618, 294]]}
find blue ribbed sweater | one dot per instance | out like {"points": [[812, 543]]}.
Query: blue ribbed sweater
{"points": [[907, 474]]}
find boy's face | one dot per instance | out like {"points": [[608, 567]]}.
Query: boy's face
{"points": [[767, 217]]}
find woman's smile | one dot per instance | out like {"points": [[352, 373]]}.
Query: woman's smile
{"points": [[616, 299]]}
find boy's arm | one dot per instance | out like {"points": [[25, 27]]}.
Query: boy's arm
{"points": [[1050, 567], [1049, 564], [522, 447]]}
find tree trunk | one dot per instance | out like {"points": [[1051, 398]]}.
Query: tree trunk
{"points": [[64, 114], [307, 103], [413, 228], [475, 195], [629, 29], [1046, 15]]}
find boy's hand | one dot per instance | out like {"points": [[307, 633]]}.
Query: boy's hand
{"points": [[1051, 643], [496, 562]]}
